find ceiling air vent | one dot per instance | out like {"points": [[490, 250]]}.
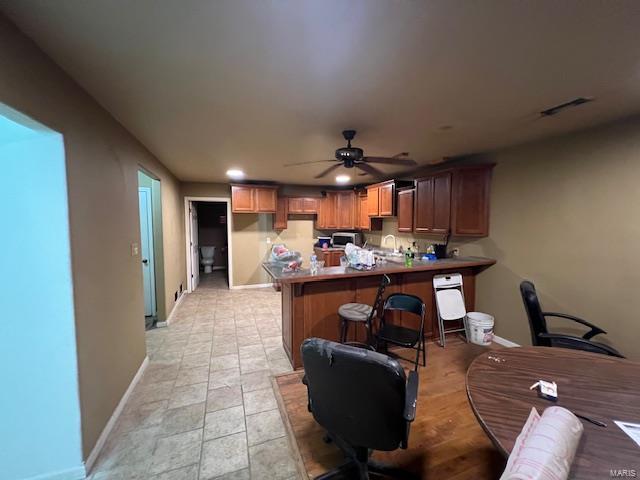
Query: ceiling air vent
{"points": [[558, 108]]}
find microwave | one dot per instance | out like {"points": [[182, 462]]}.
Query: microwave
{"points": [[340, 239]]}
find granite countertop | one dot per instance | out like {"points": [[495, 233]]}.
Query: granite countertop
{"points": [[334, 273]]}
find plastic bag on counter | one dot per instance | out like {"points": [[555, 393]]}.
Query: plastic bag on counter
{"points": [[359, 258], [288, 259]]}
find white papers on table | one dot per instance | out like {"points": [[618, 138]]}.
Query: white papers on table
{"points": [[631, 429]]}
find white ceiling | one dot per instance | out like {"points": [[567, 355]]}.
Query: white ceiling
{"points": [[253, 84]]}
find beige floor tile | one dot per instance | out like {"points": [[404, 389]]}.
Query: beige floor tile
{"points": [[195, 360], [224, 397], [135, 417], [176, 451], [224, 422], [224, 455], [224, 378], [190, 376], [259, 401], [272, 460], [184, 473], [182, 419], [264, 426], [255, 381], [224, 362], [188, 395], [253, 364]]}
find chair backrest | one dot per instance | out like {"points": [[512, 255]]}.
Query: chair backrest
{"points": [[356, 394], [403, 302], [450, 304], [384, 281], [537, 323]]}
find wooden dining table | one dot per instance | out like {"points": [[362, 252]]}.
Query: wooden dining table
{"points": [[597, 386]]}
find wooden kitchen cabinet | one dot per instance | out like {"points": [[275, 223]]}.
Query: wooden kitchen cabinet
{"points": [[363, 220], [303, 205], [470, 201], [373, 201], [346, 210], [254, 199], [405, 210], [331, 257], [386, 197], [381, 198], [432, 204], [282, 211], [327, 214]]}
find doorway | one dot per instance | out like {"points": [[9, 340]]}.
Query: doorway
{"points": [[150, 211], [207, 223]]}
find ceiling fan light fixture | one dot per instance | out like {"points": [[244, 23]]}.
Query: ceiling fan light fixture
{"points": [[235, 173], [343, 178]]}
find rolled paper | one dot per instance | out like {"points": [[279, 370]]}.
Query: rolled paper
{"points": [[546, 446]]}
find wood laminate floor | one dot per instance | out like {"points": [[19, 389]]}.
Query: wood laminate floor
{"points": [[446, 441]]}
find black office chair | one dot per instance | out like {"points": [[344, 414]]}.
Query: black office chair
{"points": [[361, 312], [403, 336], [363, 400], [540, 335]]}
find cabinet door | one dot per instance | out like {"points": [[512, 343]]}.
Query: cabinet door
{"points": [[335, 258], [470, 201], [346, 210], [373, 201], [310, 205], [363, 215], [295, 205], [423, 216], [441, 203], [242, 199], [405, 211], [386, 200], [330, 206], [280, 217], [266, 200]]}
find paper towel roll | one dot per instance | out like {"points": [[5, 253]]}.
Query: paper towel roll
{"points": [[545, 448]]}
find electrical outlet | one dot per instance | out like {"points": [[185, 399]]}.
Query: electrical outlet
{"points": [[455, 252], [135, 249], [268, 240]]}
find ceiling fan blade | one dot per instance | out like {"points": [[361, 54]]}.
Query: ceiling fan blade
{"points": [[369, 169], [390, 160], [328, 170], [306, 163]]}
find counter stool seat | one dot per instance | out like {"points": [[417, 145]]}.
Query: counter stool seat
{"points": [[355, 312]]}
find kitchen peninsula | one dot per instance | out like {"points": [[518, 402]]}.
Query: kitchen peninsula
{"points": [[310, 302]]}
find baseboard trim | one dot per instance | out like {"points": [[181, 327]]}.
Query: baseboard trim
{"points": [[504, 342], [75, 473], [255, 285], [93, 456], [173, 311]]}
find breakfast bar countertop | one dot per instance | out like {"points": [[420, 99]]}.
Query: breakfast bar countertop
{"points": [[334, 273]]}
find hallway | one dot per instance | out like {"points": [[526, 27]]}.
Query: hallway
{"points": [[205, 407]]}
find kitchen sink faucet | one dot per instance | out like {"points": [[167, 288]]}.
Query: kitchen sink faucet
{"points": [[395, 246]]}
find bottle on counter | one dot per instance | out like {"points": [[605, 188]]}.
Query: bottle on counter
{"points": [[313, 265], [408, 258]]}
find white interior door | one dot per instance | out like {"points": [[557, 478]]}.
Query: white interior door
{"points": [[195, 247], [146, 251]]}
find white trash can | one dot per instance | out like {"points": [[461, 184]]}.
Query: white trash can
{"points": [[480, 328]]}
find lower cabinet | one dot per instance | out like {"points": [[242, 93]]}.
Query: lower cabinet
{"points": [[331, 258]]}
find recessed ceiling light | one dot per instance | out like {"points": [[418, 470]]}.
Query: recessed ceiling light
{"points": [[235, 173], [343, 178]]}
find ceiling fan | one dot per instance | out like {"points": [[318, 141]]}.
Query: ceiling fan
{"points": [[350, 157]]}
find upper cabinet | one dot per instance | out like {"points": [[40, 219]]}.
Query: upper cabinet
{"points": [[381, 198], [405, 210], [280, 221], [433, 204], [303, 205], [338, 210], [470, 201], [254, 198], [455, 201]]}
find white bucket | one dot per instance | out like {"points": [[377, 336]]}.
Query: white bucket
{"points": [[480, 328]]}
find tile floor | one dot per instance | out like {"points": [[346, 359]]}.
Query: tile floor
{"points": [[204, 408]]}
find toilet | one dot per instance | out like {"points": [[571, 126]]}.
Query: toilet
{"points": [[206, 258]]}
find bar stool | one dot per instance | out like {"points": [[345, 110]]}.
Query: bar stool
{"points": [[449, 292], [361, 312]]}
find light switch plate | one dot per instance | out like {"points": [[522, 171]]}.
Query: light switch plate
{"points": [[135, 249]]}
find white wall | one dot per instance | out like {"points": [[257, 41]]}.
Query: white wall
{"points": [[39, 404]]}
